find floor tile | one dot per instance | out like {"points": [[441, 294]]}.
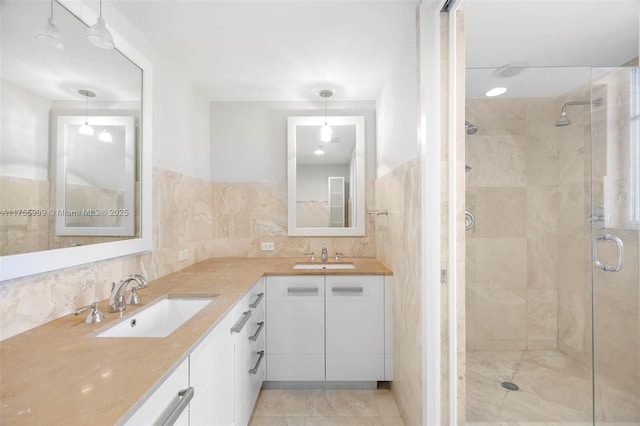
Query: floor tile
{"points": [[343, 403], [344, 421], [277, 421], [284, 403]]}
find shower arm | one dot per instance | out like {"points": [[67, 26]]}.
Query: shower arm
{"points": [[597, 103]]}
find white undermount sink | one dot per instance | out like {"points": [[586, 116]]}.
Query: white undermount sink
{"points": [[159, 319], [314, 265]]}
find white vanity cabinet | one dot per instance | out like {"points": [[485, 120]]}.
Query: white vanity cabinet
{"points": [[354, 317], [171, 396], [332, 327], [249, 347], [295, 328]]}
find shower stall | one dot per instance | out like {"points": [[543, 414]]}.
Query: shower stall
{"points": [[552, 253]]}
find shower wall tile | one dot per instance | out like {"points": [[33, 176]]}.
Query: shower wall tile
{"points": [[542, 314], [499, 212], [503, 313], [572, 325], [501, 262], [541, 211], [496, 160], [542, 259], [497, 116]]}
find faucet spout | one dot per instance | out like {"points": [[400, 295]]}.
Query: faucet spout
{"points": [[325, 255], [116, 299]]}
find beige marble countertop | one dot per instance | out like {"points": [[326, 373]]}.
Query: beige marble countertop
{"points": [[59, 373]]}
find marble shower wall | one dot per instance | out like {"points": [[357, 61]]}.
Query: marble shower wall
{"points": [[397, 238], [511, 266]]}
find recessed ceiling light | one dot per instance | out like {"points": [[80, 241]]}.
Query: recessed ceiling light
{"points": [[496, 91]]}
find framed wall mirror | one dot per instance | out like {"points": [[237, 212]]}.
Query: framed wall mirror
{"points": [[46, 167], [326, 179]]}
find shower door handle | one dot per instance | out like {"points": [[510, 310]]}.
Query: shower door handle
{"points": [[619, 252]]}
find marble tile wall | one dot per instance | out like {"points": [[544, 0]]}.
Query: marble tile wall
{"points": [[207, 219], [397, 242], [512, 289]]}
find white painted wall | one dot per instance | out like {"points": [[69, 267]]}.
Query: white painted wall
{"points": [[180, 112], [397, 112], [24, 120], [249, 139], [312, 182]]}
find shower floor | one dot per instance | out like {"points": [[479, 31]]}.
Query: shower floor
{"points": [[554, 390]]}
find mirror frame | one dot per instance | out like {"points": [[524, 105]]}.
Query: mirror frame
{"points": [[127, 221], [22, 265], [354, 231]]}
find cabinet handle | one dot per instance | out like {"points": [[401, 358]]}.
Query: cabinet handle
{"points": [[254, 370], [177, 406], [348, 290], [302, 290], [238, 326], [257, 302], [258, 331]]}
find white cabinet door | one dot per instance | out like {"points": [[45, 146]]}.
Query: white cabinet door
{"points": [[248, 336], [355, 327], [212, 378], [167, 396], [295, 328]]}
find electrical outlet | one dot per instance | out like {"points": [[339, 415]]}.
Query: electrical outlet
{"points": [[183, 255], [268, 246]]}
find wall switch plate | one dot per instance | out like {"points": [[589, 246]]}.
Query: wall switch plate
{"points": [[183, 255], [268, 246]]}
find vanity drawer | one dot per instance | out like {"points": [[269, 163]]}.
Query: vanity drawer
{"points": [[355, 288], [288, 288]]}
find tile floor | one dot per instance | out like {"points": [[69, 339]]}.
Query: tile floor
{"points": [[326, 408], [554, 390]]}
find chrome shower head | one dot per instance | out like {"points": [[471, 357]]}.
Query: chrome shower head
{"points": [[563, 120], [470, 128]]}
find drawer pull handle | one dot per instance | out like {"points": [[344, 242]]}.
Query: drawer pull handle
{"points": [[257, 302], [343, 290], [258, 331], [302, 290], [238, 326], [177, 406], [254, 370]]}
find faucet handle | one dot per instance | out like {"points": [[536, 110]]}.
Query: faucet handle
{"points": [[313, 256], [94, 316], [134, 299], [338, 254]]}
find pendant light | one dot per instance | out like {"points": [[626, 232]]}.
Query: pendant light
{"points": [[99, 35], [105, 136], [50, 35], [319, 150], [85, 129], [326, 131]]}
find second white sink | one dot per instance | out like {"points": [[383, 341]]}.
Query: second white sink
{"points": [[313, 265], [159, 319]]}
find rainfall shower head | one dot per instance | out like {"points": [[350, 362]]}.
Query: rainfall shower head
{"points": [[470, 128], [564, 119]]}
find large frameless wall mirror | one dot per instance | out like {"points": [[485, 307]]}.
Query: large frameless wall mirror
{"points": [[326, 178], [71, 196]]}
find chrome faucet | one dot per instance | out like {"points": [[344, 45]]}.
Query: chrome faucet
{"points": [[116, 300], [325, 255]]}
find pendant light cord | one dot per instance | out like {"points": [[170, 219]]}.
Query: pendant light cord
{"points": [[86, 109], [325, 111], [52, 8]]}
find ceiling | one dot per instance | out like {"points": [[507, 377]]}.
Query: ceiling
{"points": [[277, 50]]}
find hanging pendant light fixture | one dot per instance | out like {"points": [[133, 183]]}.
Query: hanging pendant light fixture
{"points": [[85, 129], [105, 136], [99, 35], [50, 35], [319, 150], [325, 132]]}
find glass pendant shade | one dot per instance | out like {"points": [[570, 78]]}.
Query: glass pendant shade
{"points": [[326, 133], [99, 35], [319, 151], [105, 136], [51, 36], [86, 130]]}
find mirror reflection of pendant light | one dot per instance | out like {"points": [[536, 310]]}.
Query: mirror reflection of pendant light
{"points": [[105, 136], [319, 151], [85, 129], [50, 35], [99, 35], [326, 131]]}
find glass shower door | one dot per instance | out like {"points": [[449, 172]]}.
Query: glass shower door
{"points": [[615, 224]]}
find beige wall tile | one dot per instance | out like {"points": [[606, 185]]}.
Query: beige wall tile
{"points": [[500, 212], [501, 262]]}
